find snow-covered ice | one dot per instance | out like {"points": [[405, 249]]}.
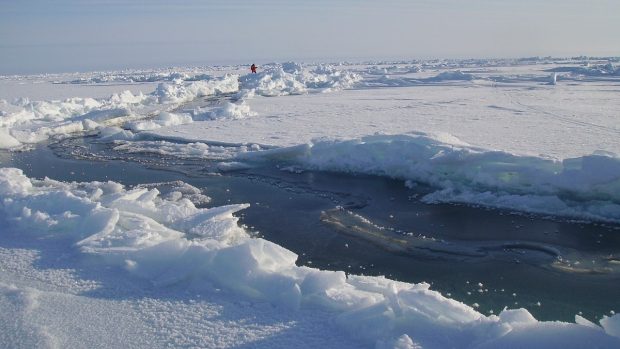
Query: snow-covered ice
{"points": [[138, 234], [165, 272]]}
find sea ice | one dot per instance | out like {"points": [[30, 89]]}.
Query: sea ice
{"points": [[173, 243]]}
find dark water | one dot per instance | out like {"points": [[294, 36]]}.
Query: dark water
{"points": [[287, 208]]}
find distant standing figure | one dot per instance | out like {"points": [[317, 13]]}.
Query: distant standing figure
{"points": [[253, 68]]}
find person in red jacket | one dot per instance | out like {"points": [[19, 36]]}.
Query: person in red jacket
{"points": [[253, 68]]}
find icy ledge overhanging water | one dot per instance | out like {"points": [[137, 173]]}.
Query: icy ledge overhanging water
{"points": [[582, 188], [164, 238], [586, 188]]}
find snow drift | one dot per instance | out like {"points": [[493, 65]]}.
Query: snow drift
{"points": [[166, 239]]}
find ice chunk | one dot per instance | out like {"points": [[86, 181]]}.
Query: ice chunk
{"points": [[611, 325], [6, 140]]}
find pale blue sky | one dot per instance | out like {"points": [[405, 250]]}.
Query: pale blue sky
{"points": [[73, 35]]}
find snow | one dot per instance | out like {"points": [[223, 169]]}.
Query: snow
{"points": [[159, 269], [292, 79], [460, 110], [169, 242], [600, 70], [587, 187], [452, 75], [239, 110], [6, 140], [36, 121], [611, 325], [163, 119], [184, 92]]}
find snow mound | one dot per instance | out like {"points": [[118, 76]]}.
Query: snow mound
{"points": [[292, 67], [452, 76], [392, 70], [324, 69], [49, 110], [163, 119], [228, 110], [601, 70], [587, 187], [396, 76], [168, 240], [27, 122], [273, 82], [293, 78], [35, 121], [184, 92]]}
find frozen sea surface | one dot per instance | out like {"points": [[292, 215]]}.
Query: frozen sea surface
{"points": [[331, 218], [360, 169]]}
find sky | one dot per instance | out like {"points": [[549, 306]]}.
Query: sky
{"points": [[42, 36]]}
